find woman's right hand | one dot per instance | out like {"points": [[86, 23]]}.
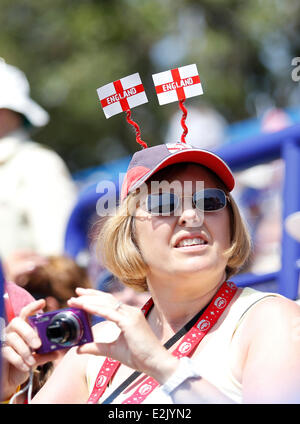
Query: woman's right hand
{"points": [[18, 356]]}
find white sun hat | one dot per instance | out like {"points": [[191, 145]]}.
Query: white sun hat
{"points": [[15, 95], [292, 225]]}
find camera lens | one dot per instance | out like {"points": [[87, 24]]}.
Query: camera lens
{"points": [[64, 329]]}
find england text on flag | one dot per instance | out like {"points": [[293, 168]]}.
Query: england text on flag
{"points": [[122, 95], [177, 84]]}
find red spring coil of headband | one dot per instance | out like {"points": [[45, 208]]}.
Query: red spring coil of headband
{"points": [[184, 114], [137, 129]]}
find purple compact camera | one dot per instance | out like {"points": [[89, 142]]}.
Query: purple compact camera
{"points": [[62, 329]]}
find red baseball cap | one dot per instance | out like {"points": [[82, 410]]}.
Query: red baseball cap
{"points": [[147, 162]]}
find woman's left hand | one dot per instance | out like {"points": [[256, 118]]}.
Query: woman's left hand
{"points": [[137, 346]]}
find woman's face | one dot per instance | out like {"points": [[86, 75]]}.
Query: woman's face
{"points": [[161, 239]]}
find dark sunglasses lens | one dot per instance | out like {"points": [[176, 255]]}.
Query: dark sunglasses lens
{"points": [[162, 203], [210, 199]]}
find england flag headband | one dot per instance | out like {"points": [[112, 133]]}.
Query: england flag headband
{"points": [[178, 85], [172, 85], [121, 96]]}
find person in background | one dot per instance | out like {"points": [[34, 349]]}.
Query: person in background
{"points": [[53, 278], [37, 192], [15, 298], [47, 282]]}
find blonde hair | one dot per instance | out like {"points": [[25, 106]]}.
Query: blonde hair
{"points": [[239, 252], [119, 251], [122, 256]]}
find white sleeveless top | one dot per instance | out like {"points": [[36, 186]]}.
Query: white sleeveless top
{"points": [[213, 361]]}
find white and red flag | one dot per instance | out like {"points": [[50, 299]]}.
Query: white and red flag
{"points": [[177, 84], [122, 95]]}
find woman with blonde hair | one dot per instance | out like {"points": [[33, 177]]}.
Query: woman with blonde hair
{"points": [[199, 339]]}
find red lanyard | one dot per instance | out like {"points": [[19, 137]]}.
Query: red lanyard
{"points": [[187, 346]]}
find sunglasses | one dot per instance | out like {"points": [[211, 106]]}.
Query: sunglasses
{"points": [[207, 200]]}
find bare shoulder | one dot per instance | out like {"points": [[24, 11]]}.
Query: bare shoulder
{"points": [[270, 336], [272, 318], [274, 309], [268, 321]]}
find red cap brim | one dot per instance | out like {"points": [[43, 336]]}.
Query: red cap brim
{"points": [[201, 157]]}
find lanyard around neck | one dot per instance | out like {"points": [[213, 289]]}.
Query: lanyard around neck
{"points": [[167, 345], [194, 332]]}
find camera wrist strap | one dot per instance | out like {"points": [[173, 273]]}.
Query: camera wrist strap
{"points": [[194, 332]]}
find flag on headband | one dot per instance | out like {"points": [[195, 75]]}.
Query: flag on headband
{"points": [[122, 95], [177, 84]]}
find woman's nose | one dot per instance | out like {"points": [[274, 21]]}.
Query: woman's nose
{"points": [[190, 216]]}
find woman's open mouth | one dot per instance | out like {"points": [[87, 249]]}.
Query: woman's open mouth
{"points": [[188, 242]]}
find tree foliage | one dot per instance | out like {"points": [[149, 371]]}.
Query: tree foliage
{"points": [[69, 48]]}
